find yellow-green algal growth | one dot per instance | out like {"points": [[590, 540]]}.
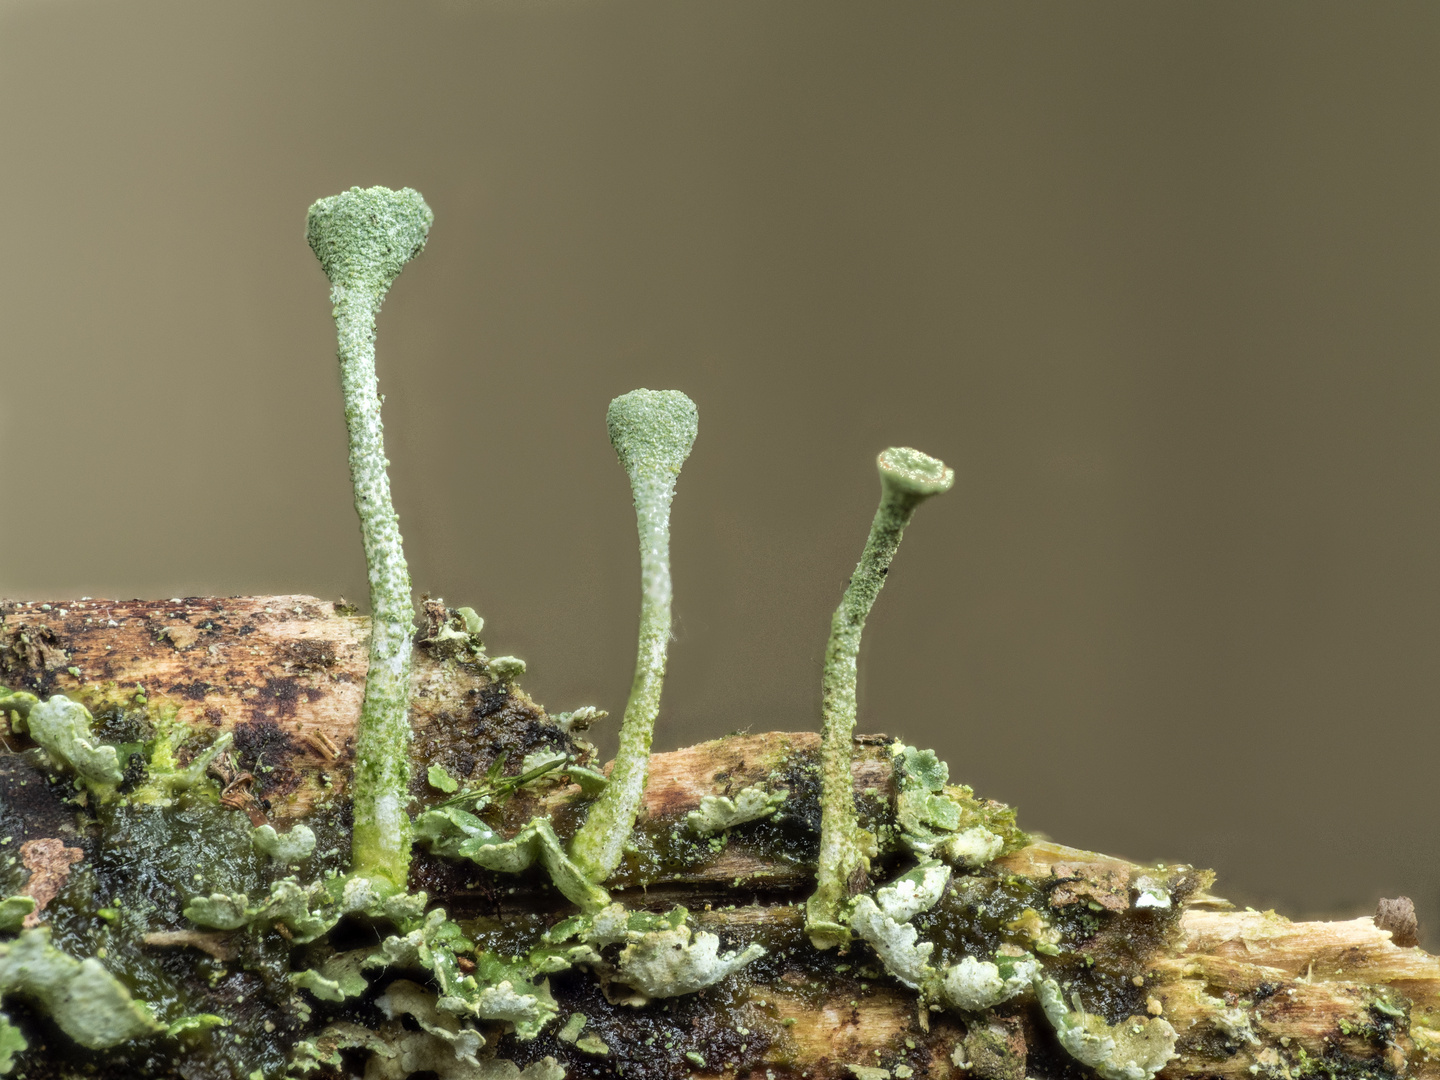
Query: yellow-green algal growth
{"points": [[652, 432], [907, 478], [363, 238]]}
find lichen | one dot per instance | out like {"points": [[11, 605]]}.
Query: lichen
{"points": [[165, 777], [12, 1042], [62, 728], [907, 478], [396, 1053], [1134, 1049], [456, 833], [946, 822], [717, 813], [363, 239], [87, 1002], [974, 985], [652, 432], [405, 998], [293, 846], [13, 910], [671, 960], [319, 942], [969, 985]]}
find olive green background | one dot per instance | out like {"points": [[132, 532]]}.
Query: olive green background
{"points": [[1159, 280]]}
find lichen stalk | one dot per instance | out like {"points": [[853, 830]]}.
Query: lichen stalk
{"points": [[652, 432], [907, 478], [363, 238]]}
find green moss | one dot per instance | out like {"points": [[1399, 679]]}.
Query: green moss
{"points": [[13, 910]]}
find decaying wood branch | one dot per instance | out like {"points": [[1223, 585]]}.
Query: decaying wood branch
{"points": [[1249, 993]]}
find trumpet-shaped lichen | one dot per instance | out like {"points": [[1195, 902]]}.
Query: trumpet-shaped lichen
{"points": [[907, 478], [363, 239], [652, 432]]}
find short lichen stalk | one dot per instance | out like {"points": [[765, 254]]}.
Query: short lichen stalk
{"points": [[652, 432], [363, 238], [907, 478]]}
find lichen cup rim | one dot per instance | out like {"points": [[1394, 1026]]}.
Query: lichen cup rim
{"points": [[905, 469]]}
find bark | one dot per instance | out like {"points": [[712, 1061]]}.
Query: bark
{"points": [[1249, 993]]}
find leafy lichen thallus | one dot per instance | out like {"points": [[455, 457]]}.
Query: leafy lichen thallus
{"points": [[363, 239], [907, 478]]}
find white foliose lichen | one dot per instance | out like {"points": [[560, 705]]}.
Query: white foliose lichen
{"points": [[974, 985], [674, 961], [720, 812], [898, 944], [289, 847], [396, 1054], [62, 728], [970, 985], [884, 921], [87, 1002], [405, 998], [913, 892], [1134, 1049], [933, 820]]}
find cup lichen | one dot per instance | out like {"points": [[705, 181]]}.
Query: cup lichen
{"points": [[907, 478], [652, 432], [363, 239]]}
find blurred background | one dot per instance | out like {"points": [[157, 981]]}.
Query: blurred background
{"points": [[1159, 281]]}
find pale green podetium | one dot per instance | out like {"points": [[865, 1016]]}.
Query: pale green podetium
{"points": [[907, 478], [363, 238], [652, 432]]}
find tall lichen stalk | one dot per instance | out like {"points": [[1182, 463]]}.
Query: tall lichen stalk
{"points": [[363, 238], [907, 478], [652, 432]]}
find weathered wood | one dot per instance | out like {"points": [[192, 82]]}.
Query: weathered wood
{"points": [[1249, 993]]}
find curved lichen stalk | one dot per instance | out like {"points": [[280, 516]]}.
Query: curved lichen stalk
{"points": [[652, 432], [907, 478], [363, 238]]}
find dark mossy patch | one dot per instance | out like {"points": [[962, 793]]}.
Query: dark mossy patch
{"points": [[32, 807], [651, 1042], [469, 890], [142, 863], [279, 695], [309, 654], [267, 751], [191, 691]]}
